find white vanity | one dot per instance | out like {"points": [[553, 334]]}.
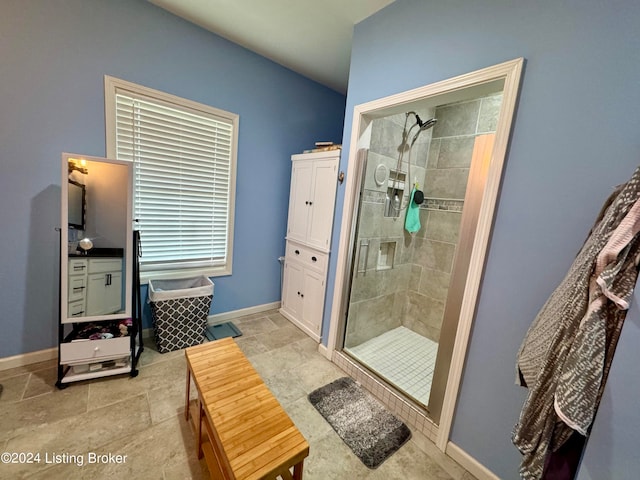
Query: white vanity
{"points": [[95, 286]]}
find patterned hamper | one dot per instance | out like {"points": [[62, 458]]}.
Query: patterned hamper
{"points": [[179, 309]]}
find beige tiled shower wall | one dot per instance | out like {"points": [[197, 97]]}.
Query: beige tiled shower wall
{"points": [[413, 292], [445, 183]]}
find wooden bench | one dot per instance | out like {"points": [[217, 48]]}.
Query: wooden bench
{"points": [[240, 427]]}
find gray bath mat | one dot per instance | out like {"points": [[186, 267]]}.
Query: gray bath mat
{"points": [[370, 431]]}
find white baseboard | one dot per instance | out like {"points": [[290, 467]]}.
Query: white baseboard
{"points": [[324, 351], [300, 325], [226, 316], [469, 463], [52, 353], [28, 358]]}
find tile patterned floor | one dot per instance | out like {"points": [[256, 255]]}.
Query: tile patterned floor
{"points": [[403, 358], [142, 417]]}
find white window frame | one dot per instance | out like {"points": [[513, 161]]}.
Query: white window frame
{"points": [[112, 87]]}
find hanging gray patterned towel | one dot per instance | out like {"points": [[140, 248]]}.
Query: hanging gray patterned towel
{"points": [[566, 355], [179, 309]]}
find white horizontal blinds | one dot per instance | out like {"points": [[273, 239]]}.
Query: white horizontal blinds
{"points": [[182, 164]]}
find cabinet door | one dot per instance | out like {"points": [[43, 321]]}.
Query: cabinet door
{"points": [[113, 293], [104, 293], [291, 294], [320, 224], [299, 199], [313, 300], [96, 286]]}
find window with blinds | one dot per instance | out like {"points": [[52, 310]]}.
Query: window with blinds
{"points": [[184, 180]]}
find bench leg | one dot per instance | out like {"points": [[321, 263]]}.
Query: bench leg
{"points": [[186, 401], [199, 432], [297, 470]]}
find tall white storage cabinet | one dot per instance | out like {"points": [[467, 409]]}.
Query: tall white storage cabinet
{"points": [[311, 207]]}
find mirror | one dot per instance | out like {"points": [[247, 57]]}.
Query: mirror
{"points": [[96, 251]]}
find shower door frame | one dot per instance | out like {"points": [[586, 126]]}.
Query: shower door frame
{"points": [[509, 72]]}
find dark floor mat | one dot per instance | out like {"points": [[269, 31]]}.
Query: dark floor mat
{"points": [[362, 422], [222, 330]]}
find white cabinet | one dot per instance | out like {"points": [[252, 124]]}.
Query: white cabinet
{"points": [[304, 287], [299, 200], [313, 291], [104, 286], [312, 198], [291, 286], [311, 209], [94, 286]]}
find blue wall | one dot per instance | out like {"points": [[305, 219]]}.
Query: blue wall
{"points": [[53, 58], [612, 451], [575, 136]]}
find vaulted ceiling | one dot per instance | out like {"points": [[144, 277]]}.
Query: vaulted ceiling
{"points": [[311, 37]]}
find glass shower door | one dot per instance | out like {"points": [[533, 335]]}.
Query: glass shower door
{"points": [[377, 333]]}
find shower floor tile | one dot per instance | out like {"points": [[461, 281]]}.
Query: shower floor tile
{"points": [[403, 357]]}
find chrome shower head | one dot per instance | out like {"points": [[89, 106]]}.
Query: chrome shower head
{"points": [[425, 125]]}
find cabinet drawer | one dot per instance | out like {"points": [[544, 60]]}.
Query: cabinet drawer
{"points": [[77, 266], [307, 256], [77, 287], [76, 309], [94, 350], [101, 265]]}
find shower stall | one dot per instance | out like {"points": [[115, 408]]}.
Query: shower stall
{"points": [[406, 286]]}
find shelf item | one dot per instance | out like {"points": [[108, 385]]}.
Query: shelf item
{"points": [[311, 210]]}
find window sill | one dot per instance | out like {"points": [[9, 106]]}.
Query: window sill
{"points": [[183, 273]]}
